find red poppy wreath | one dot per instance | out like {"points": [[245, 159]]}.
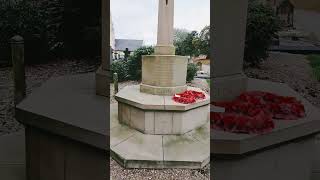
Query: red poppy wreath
{"points": [[188, 97], [253, 112]]}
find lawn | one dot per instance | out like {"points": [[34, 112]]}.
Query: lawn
{"points": [[314, 61]]}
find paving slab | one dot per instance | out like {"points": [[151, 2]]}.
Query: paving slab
{"points": [[185, 148], [140, 151], [119, 134]]}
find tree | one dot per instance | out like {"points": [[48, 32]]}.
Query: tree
{"points": [[202, 42], [180, 35], [185, 47]]}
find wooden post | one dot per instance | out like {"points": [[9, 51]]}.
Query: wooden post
{"points": [[115, 82], [17, 50]]}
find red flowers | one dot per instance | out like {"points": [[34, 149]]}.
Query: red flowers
{"points": [[188, 97], [253, 112]]}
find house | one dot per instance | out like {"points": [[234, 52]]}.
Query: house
{"points": [[284, 9], [124, 47], [306, 17], [303, 16], [203, 63]]}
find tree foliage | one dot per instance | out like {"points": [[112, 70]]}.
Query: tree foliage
{"points": [[192, 43], [262, 25], [134, 62], [191, 71], [202, 42], [121, 68]]}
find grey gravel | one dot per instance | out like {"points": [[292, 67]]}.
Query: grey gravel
{"points": [[35, 76], [119, 173], [292, 69]]}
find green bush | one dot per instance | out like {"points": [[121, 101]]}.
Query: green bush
{"points": [[262, 24], [121, 68], [134, 62], [191, 71], [314, 61], [27, 19], [316, 72]]}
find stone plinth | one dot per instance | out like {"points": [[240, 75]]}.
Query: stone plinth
{"points": [[66, 129], [273, 155], [164, 74], [155, 114]]}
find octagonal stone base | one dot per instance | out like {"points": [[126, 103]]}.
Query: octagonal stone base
{"points": [[289, 142], [154, 114], [133, 149]]}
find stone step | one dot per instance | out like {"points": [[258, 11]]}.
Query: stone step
{"points": [[12, 156]]}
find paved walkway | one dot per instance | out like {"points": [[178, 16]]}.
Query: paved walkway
{"points": [[298, 47]]}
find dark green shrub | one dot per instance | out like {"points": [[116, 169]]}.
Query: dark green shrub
{"points": [[314, 61], [121, 68], [191, 71], [27, 19], [262, 24], [316, 72], [134, 62]]}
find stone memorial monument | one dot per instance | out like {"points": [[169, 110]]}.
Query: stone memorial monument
{"points": [[148, 128]]}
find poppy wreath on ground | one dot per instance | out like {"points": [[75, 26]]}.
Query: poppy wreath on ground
{"points": [[188, 97], [253, 112]]}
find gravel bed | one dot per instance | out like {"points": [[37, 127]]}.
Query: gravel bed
{"points": [[292, 69], [35, 76], [119, 173]]}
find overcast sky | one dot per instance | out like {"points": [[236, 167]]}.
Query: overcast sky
{"points": [[137, 19]]}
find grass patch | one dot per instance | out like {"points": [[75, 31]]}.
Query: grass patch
{"points": [[314, 61]]}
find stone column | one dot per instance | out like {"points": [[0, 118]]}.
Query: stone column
{"points": [[165, 28], [102, 74], [164, 73], [229, 26]]}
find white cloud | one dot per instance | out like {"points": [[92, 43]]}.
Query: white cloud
{"points": [[137, 19]]}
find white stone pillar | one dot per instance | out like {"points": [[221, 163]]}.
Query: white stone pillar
{"points": [[229, 26], [165, 28]]}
